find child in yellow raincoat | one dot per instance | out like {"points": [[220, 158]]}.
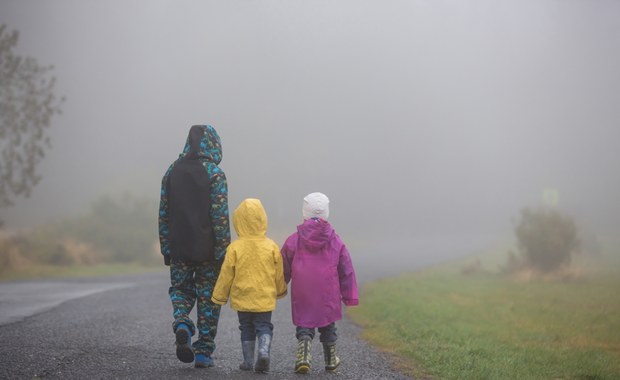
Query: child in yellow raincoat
{"points": [[252, 275]]}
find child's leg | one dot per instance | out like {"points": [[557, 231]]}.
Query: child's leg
{"points": [[328, 333], [303, 357], [304, 332], [246, 326], [262, 323], [264, 331], [328, 338], [183, 296], [208, 312], [248, 339]]}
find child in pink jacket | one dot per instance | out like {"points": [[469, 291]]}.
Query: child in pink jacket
{"points": [[319, 267]]}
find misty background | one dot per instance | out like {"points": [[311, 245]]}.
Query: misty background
{"points": [[421, 120]]}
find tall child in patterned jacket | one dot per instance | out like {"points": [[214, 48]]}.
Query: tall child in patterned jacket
{"points": [[319, 267], [194, 233], [252, 277]]}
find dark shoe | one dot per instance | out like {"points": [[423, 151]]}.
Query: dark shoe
{"points": [[203, 361], [184, 345], [331, 360], [264, 347], [303, 355], [248, 355]]}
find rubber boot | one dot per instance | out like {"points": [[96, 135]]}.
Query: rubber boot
{"points": [[185, 353], [329, 353], [262, 359], [304, 355], [247, 347]]}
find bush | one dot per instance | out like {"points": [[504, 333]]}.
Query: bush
{"points": [[546, 239], [121, 229], [115, 230], [11, 252]]}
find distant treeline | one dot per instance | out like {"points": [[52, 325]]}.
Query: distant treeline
{"points": [[120, 229]]}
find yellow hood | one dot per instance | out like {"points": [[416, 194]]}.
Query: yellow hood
{"points": [[250, 219]]}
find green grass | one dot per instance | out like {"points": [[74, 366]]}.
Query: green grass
{"points": [[447, 325], [40, 271]]}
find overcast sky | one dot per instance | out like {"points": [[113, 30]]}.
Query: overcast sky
{"points": [[415, 117]]}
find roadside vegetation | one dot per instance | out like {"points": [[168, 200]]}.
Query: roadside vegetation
{"points": [[546, 241], [117, 235], [493, 316]]}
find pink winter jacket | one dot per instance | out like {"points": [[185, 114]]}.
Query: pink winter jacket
{"points": [[319, 267]]}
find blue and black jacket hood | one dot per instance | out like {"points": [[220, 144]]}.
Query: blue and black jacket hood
{"points": [[203, 142]]}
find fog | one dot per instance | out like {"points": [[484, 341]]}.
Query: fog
{"points": [[419, 119]]}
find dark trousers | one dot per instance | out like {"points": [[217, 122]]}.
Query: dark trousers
{"points": [[328, 333], [254, 324]]}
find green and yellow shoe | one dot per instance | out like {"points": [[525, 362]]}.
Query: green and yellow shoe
{"points": [[303, 355]]}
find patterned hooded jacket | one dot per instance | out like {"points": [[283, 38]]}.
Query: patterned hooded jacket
{"points": [[193, 210], [252, 274], [322, 277]]}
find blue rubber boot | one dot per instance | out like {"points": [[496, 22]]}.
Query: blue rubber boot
{"points": [[248, 355], [262, 358], [185, 353], [203, 361]]}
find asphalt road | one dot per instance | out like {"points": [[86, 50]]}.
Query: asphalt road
{"points": [[120, 328]]}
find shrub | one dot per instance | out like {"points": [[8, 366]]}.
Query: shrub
{"points": [[546, 239], [115, 230], [121, 229], [12, 253]]}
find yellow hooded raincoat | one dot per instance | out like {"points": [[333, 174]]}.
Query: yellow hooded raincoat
{"points": [[252, 274]]}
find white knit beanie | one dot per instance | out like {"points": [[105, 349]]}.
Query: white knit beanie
{"points": [[316, 205]]}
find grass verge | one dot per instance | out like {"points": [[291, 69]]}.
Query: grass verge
{"points": [[41, 271], [484, 325]]}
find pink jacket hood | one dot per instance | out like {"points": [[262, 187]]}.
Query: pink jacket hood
{"points": [[314, 234]]}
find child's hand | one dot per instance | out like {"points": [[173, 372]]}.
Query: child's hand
{"points": [[351, 302]]}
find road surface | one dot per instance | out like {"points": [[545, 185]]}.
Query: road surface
{"points": [[120, 328]]}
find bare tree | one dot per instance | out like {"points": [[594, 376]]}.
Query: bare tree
{"points": [[27, 105]]}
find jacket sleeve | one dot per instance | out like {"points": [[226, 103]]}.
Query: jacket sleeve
{"points": [[287, 259], [219, 212], [164, 231], [346, 274], [281, 289], [221, 291]]}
